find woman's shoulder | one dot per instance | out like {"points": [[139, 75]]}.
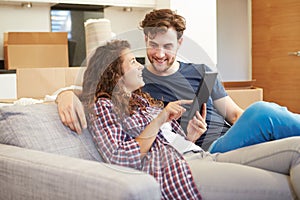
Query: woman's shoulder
{"points": [[102, 104], [104, 101]]}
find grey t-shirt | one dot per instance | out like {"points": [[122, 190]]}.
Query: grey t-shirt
{"points": [[183, 85]]}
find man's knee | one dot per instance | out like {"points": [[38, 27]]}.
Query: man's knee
{"points": [[263, 110]]}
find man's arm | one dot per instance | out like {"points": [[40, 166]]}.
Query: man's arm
{"points": [[71, 110], [197, 125], [228, 108]]}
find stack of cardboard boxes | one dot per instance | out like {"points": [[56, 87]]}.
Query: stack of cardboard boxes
{"points": [[35, 51], [48, 80], [41, 62], [243, 92]]}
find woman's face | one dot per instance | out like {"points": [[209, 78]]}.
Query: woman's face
{"points": [[132, 78]]}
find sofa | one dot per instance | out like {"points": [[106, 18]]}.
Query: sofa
{"points": [[40, 158]]}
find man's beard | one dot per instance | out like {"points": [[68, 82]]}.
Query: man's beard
{"points": [[164, 67]]}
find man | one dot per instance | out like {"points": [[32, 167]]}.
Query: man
{"points": [[168, 79]]}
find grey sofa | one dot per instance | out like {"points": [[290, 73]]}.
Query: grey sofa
{"points": [[42, 159]]}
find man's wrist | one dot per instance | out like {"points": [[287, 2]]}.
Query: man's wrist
{"points": [[61, 94], [73, 88]]}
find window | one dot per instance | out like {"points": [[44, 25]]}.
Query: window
{"points": [[70, 18], [61, 21]]}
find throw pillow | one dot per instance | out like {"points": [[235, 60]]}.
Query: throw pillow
{"points": [[39, 127]]}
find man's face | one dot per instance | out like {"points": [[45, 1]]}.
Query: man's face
{"points": [[162, 50]]}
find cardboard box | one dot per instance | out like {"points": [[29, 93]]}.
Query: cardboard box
{"points": [[243, 93], [35, 49], [245, 96], [38, 82]]}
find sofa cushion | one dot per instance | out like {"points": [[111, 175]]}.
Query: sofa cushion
{"points": [[39, 127]]}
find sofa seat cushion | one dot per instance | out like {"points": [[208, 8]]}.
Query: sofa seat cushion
{"points": [[39, 127]]}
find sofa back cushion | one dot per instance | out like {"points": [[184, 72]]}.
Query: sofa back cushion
{"points": [[39, 127]]}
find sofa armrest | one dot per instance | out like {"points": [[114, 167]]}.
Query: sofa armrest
{"points": [[31, 174]]}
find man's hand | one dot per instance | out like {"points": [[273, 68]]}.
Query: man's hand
{"points": [[71, 111], [197, 126]]}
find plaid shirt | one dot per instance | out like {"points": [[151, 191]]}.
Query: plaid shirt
{"points": [[115, 141]]}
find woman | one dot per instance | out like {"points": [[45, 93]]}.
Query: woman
{"points": [[133, 130]]}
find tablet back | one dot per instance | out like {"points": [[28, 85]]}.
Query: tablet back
{"points": [[201, 96]]}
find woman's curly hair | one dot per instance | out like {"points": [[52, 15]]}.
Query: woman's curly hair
{"points": [[102, 76]]}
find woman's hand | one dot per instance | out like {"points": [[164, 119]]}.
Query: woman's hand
{"points": [[173, 110], [197, 126]]}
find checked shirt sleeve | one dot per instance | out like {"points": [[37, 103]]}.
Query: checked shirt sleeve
{"points": [[113, 143], [177, 128]]}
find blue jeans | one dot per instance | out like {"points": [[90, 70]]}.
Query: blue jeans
{"points": [[260, 122]]}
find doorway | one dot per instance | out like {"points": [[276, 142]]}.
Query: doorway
{"points": [[275, 36]]}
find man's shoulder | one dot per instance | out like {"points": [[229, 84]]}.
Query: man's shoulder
{"points": [[146, 71], [192, 68], [188, 66]]}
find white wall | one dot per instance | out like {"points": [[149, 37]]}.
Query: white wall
{"points": [[15, 18], [201, 22], [234, 39], [8, 86], [126, 26], [200, 42], [122, 21]]}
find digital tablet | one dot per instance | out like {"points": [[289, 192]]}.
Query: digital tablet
{"points": [[202, 94]]}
